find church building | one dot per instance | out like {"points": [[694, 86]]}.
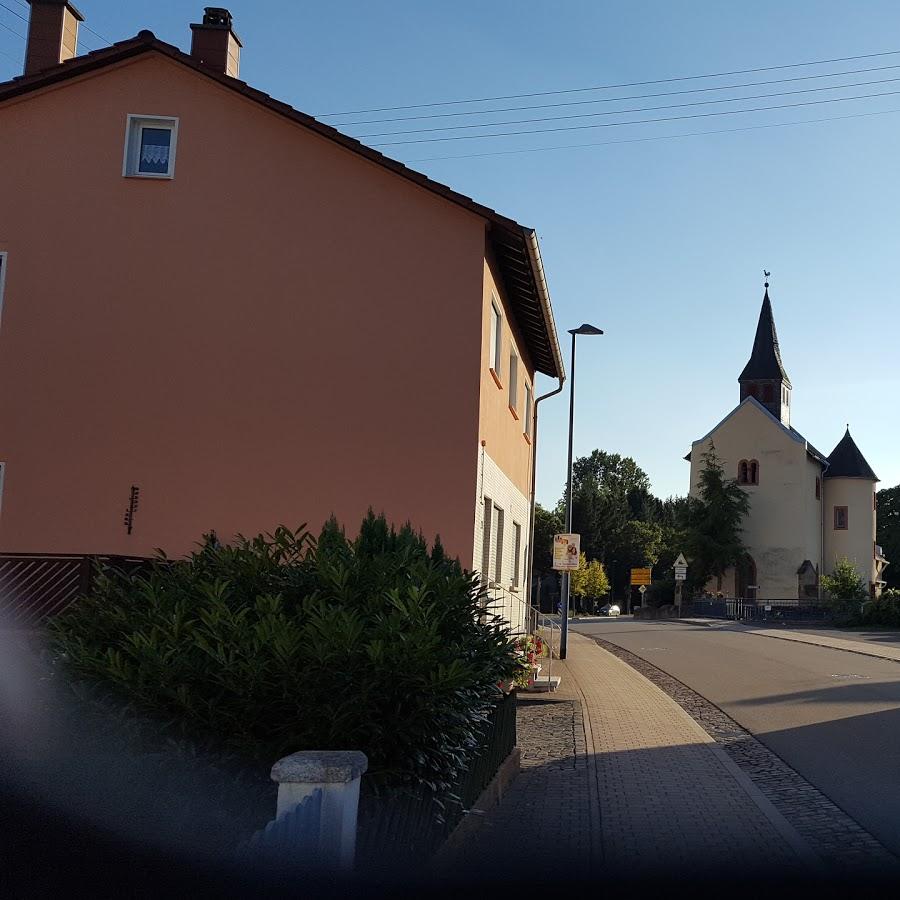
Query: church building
{"points": [[807, 510]]}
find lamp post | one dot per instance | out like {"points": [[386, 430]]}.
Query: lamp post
{"points": [[564, 625]]}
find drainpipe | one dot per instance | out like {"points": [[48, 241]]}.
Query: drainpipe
{"points": [[540, 281], [534, 435]]}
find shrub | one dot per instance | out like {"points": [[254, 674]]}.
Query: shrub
{"points": [[844, 582], [282, 643], [884, 610]]}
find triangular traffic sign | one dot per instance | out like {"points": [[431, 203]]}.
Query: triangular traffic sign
{"points": [[681, 562]]}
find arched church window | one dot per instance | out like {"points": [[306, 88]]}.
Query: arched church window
{"points": [[743, 472], [753, 473]]}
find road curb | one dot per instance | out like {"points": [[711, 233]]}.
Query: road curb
{"points": [[788, 833], [795, 640]]}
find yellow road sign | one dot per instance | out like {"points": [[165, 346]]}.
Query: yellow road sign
{"points": [[641, 576]]}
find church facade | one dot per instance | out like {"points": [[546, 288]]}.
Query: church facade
{"points": [[807, 510]]}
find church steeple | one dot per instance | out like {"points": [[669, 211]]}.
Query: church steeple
{"points": [[764, 377]]}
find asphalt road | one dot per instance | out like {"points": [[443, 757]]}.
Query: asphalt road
{"points": [[833, 716]]}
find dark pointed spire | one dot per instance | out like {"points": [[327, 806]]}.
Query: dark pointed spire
{"points": [[846, 461], [765, 359]]}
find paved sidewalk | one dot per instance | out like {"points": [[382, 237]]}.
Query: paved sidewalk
{"points": [[866, 648], [619, 779]]}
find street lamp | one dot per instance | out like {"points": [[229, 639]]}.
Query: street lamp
{"points": [[564, 625]]}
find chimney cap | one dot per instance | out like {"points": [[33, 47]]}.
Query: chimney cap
{"points": [[71, 6], [217, 15]]}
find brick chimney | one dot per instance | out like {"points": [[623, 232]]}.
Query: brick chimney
{"points": [[214, 44], [52, 34]]}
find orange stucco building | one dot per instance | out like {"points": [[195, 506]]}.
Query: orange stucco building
{"points": [[247, 315]]}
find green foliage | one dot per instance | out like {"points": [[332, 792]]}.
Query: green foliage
{"points": [[888, 532], [883, 611], [712, 538], [844, 582], [589, 581], [282, 643], [547, 523]]}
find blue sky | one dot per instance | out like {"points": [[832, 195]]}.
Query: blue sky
{"points": [[661, 243]]}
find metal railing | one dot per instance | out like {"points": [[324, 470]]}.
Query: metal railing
{"points": [[510, 606], [742, 610], [547, 624]]}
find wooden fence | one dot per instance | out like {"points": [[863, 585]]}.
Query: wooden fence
{"points": [[36, 586]]}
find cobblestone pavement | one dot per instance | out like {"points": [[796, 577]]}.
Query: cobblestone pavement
{"points": [[617, 779], [842, 844]]}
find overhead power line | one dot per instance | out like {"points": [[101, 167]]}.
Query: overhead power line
{"points": [[81, 25], [609, 87], [619, 112], [659, 137], [725, 112], [566, 103], [12, 31]]}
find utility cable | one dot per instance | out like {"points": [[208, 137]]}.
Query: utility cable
{"points": [[639, 109], [609, 87], [725, 112]]}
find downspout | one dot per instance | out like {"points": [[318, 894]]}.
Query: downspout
{"points": [[822, 522], [540, 280], [534, 434]]}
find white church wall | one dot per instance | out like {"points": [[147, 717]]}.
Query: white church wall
{"points": [[857, 541], [782, 529]]}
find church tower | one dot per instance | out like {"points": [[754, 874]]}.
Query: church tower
{"points": [[764, 377]]}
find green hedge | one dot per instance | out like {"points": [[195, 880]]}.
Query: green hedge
{"points": [[282, 643]]}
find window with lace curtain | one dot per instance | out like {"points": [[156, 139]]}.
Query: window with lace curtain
{"points": [[150, 146]]}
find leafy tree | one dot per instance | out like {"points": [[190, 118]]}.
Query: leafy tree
{"points": [[547, 523], [712, 540], [844, 582], [888, 532], [589, 581]]}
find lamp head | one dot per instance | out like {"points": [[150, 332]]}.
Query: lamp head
{"points": [[586, 329]]}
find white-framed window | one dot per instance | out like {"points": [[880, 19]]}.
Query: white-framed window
{"points": [[529, 412], [517, 559], [513, 382], [150, 144], [496, 336], [487, 528], [2, 279], [498, 545]]}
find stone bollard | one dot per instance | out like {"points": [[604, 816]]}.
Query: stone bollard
{"points": [[337, 774]]}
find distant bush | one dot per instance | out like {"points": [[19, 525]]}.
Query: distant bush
{"points": [[885, 610], [282, 643]]}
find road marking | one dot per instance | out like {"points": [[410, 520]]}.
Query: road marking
{"points": [[850, 676], [653, 648]]}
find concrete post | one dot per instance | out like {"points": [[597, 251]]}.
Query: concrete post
{"points": [[337, 774]]}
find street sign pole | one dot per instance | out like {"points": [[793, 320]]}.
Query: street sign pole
{"points": [[680, 568]]}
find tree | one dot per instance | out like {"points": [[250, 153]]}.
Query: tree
{"points": [[547, 523], [844, 582], [589, 581], [888, 532], [712, 540]]}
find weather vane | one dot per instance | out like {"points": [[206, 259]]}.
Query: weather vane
{"points": [[767, 274]]}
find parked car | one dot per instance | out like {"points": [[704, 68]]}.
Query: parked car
{"points": [[611, 609]]}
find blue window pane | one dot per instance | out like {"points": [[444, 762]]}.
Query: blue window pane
{"points": [[155, 146]]}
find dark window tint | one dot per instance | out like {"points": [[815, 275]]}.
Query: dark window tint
{"points": [[155, 147]]}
